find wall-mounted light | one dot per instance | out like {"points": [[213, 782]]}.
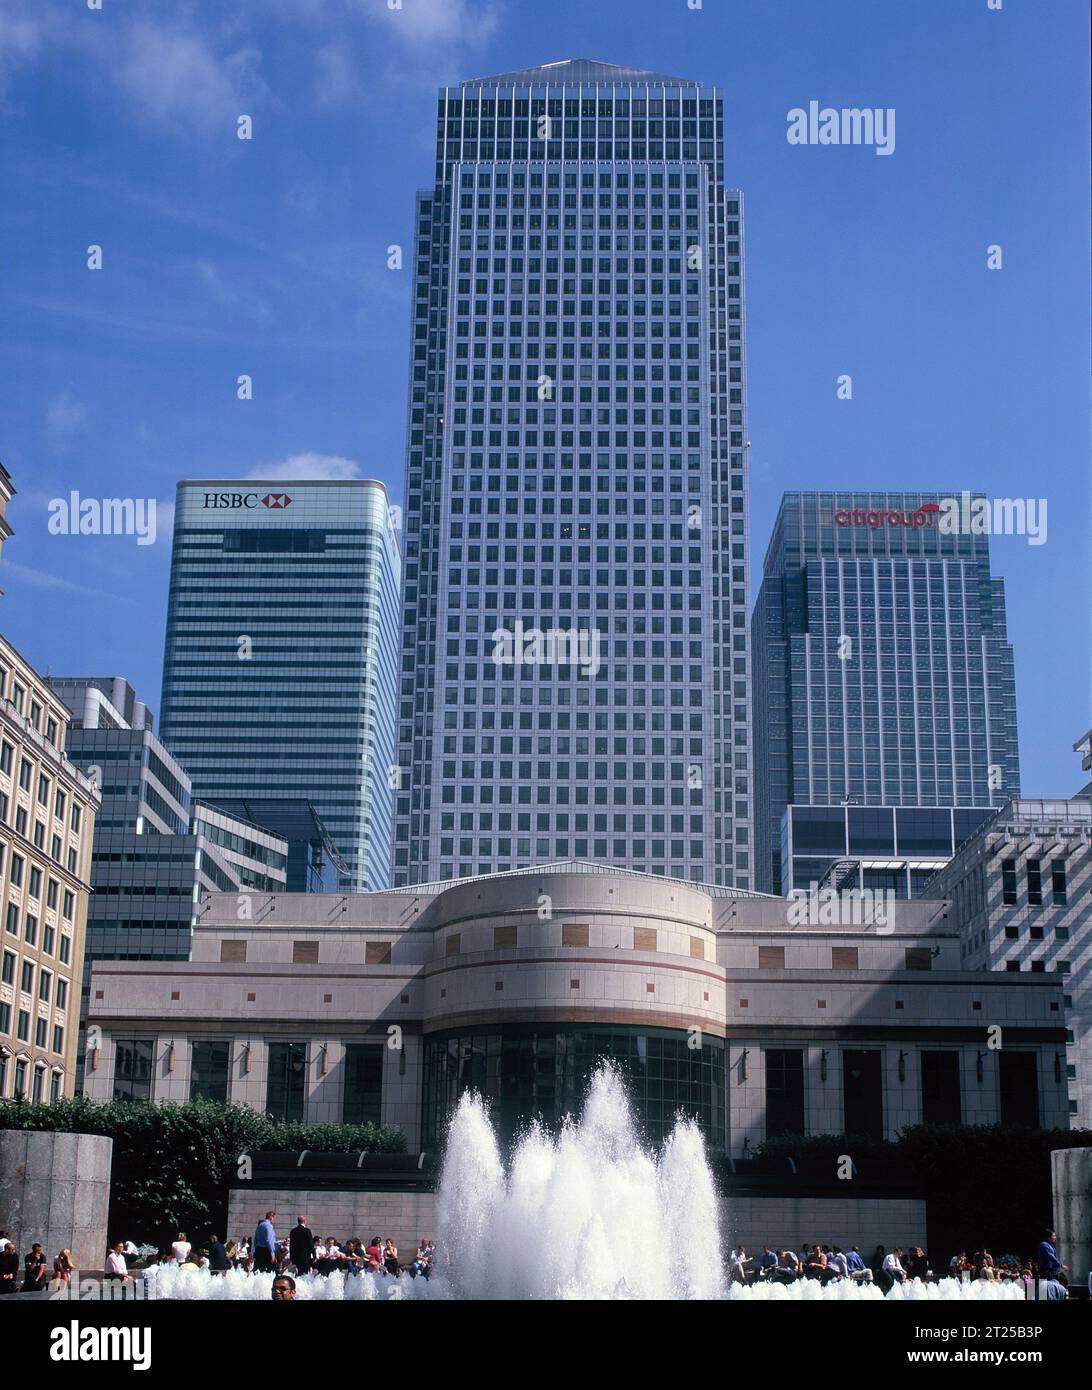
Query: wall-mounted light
{"points": [[1057, 1068], [902, 1066], [823, 1065], [402, 1060], [246, 1058], [170, 1057], [94, 1055], [978, 1068], [743, 1064], [324, 1059]]}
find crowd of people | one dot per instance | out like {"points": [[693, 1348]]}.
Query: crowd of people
{"points": [[886, 1268]]}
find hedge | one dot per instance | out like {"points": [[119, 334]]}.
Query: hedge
{"points": [[986, 1186], [172, 1164]]}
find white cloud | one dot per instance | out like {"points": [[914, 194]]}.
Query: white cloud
{"points": [[25, 27], [336, 81], [307, 466], [449, 22], [176, 75], [65, 418]]}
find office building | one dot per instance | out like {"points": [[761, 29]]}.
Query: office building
{"points": [[156, 851], [47, 823], [314, 863], [574, 678], [1019, 900], [389, 1006], [883, 673], [281, 654]]}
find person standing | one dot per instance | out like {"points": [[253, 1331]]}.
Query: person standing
{"points": [[180, 1250], [264, 1248], [1047, 1261], [301, 1246]]}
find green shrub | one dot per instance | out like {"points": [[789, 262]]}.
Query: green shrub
{"points": [[172, 1164]]}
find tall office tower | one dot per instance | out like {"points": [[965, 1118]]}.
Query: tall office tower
{"points": [[156, 852], [574, 638], [883, 680], [47, 824], [281, 656]]}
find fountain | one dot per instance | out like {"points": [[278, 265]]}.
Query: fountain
{"points": [[588, 1213]]}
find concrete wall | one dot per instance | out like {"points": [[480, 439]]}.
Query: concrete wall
{"points": [[865, 1222], [404, 1216], [1071, 1178], [55, 1188], [756, 1221]]}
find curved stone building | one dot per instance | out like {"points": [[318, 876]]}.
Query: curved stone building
{"points": [[757, 1015]]}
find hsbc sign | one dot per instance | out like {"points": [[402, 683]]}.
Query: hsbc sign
{"points": [[275, 501]]}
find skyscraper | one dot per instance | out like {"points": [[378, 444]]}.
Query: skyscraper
{"points": [[281, 653], [574, 674], [883, 679]]}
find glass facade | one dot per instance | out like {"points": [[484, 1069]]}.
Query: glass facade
{"points": [[576, 465], [543, 1073], [281, 654], [209, 1069], [363, 1102], [286, 1080], [883, 671]]}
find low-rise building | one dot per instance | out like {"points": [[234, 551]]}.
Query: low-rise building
{"points": [[754, 1014]]}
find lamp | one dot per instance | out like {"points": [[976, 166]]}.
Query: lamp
{"points": [[246, 1058], [902, 1066], [978, 1069], [823, 1065], [324, 1060], [743, 1064], [1058, 1068], [170, 1057]]}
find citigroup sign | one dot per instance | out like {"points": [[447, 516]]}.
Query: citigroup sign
{"points": [[925, 515]]}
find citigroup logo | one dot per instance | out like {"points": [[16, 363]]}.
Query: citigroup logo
{"points": [[925, 515]]}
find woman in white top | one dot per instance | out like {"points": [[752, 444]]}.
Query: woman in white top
{"points": [[181, 1248]]}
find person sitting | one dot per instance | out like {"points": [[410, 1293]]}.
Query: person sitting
{"points": [[859, 1272], [219, 1259], [788, 1267], [63, 1269], [893, 1268], [390, 1257], [838, 1263], [815, 1264], [9, 1266], [767, 1263], [35, 1273], [115, 1265], [374, 1255], [917, 1264]]}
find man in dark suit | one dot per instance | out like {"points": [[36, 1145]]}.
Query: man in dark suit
{"points": [[301, 1246]]}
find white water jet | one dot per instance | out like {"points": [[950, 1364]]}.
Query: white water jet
{"points": [[588, 1213]]}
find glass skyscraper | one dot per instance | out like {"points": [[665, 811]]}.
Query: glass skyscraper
{"points": [[281, 654], [574, 676], [883, 678]]}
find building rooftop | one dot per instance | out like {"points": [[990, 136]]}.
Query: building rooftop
{"points": [[577, 70], [574, 866]]}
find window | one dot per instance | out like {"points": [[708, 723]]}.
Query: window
{"points": [[20, 1080], [234, 951], [22, 1031], [1008, 882], [66, 950], [133, 1069], [940, 1091], [61, 1001], [919, 958], [39, 1082], [41, 1026], [75, 819], [363, 1101], [784, 1091], [452, 944], [7, 751], [9, 968], [55, 1088], [68, 905], [286, 1080], [209, 1064], [1057, 883], [574, 934], [12, 921], [17, 865], [504, 938], [305, 952], [843, 957], [1035, 883], [45, 985], [5, 1019], [644, 938], [379, 952], [58, 1038], [27, 984], [862, 1086], [771, 957]]}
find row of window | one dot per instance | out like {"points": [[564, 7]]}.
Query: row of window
{"points": [[286, 1076], [1034, 883], [22, 1029], [31, 709], [39, 1086]]}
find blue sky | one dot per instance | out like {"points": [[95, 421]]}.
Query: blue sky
{"points": [[268, 257]]}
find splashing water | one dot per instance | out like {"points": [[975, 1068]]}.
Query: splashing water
{"points": [[588, 1213]]}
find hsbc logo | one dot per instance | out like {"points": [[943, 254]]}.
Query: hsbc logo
{"points": [[275, 501]]}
